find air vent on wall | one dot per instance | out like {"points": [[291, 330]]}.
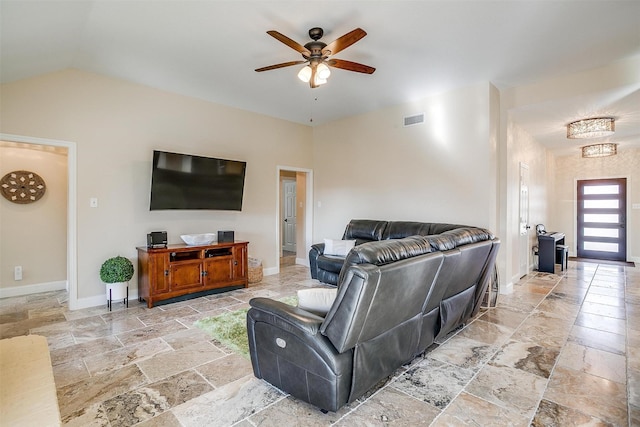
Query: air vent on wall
{"points": [[414, 120]]}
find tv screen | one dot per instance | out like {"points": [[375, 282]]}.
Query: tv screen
{"points": [[182, 181]]}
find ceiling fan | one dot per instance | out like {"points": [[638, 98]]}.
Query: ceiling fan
{"points": [[316, 54]]}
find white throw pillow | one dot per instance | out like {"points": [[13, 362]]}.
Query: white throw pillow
{"points": [[338, 247], [317, 300]]}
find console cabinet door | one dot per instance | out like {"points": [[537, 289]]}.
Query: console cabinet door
{"points": [[218, 271], [240, 262], [186, 275], [158, 274]]}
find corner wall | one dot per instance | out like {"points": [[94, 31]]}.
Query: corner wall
{"points": [[444, 170]]}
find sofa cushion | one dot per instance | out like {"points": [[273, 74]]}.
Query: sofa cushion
{"points": [[338, 247], [364, 230], [401, 229], [457, 237], [316, 300], [330, 263], [385, 252]]}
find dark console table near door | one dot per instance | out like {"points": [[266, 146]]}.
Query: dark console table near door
{"points": [[179, 270], [547, 250]]}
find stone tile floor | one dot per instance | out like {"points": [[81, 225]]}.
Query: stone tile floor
{"points": [[562, 349]]}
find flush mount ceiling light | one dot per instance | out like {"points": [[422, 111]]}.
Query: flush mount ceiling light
{"points": [[600, 150], [591, 128]]}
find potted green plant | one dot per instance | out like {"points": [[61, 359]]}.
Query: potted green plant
{"points": [[116, 273]]}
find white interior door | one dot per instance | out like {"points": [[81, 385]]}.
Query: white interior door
{"points": [[524, 220], [289, 217]]}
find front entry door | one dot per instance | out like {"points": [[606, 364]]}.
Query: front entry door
{"points": [[602, 226]]}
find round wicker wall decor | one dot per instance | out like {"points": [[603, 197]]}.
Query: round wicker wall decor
{"points": [[22, 187]]}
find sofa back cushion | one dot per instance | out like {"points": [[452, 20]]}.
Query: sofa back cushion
{"points": [[385, 252], [401, 229], [364, 230], [450, 239]]}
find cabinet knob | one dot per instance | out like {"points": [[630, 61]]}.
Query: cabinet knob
{"points": [[204, 273], [166, 272], [235, 262]]}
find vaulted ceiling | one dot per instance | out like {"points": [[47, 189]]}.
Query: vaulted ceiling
{"points": [[209, 49]]}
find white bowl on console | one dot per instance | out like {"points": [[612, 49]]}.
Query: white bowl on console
{"points": [[198, 239]]}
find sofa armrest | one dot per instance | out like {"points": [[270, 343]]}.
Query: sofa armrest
{"points": [[287, 316], [315, 251]]}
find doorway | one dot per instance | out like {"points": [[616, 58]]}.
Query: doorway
{"points": [[72, 270], [294, 215], [602, 224]]}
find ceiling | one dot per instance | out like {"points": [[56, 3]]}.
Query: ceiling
{"points": [[209, 49]]}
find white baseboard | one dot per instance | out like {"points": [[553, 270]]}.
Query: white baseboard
{"points": [[302, 261], [17, 291], [102, 300], [271, 271]]}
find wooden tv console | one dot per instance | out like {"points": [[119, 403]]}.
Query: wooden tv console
{"points": [[178, 270]]}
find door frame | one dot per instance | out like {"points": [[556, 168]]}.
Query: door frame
{"points": [[283, 213], [524, 264], [577, 199], [72, 216], [308, 219]]}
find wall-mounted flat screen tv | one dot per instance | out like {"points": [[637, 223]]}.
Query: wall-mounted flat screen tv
{"points": [[183, 181]]}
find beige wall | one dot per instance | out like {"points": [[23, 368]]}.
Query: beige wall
{"points": [[34, 235], [570, 169], [444, 170], [116, 125]]}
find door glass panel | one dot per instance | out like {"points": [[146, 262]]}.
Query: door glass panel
{"points": [[608, 218], [602, 232], [601, 204], [602, 189], [600, 246]]}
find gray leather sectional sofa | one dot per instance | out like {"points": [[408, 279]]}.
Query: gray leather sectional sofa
{"points": [[395, 297], [326, 268]]}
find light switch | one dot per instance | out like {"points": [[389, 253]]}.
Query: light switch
{"points": [[93, 202]]}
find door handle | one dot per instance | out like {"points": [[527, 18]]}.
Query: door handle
{"points": [[286, 220]]}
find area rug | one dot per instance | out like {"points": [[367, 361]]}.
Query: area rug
{"points": [[230, 328]]}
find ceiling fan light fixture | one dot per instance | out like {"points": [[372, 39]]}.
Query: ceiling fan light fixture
{"points": [[591, 128], [320, 81], [323, 72], [305, 74]]}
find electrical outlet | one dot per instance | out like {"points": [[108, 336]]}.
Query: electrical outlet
{"points": [[93, 202], [17, 272]]}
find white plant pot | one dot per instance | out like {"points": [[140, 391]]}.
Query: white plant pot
{"points": [[117, 291]]}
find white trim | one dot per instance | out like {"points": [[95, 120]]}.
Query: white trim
{"points": [[18, 291], [302, 261], [308, 212], [271, 271], [72, 215]]}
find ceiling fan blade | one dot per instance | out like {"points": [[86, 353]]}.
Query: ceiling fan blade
{"points": [[291, 43], [350, 66], [282, 65], [343, 42]]}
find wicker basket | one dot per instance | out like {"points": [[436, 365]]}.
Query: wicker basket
{"points": [[255, 270]]}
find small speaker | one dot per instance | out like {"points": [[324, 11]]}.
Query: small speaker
{"points": [[157, 239], [225, 236]]}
